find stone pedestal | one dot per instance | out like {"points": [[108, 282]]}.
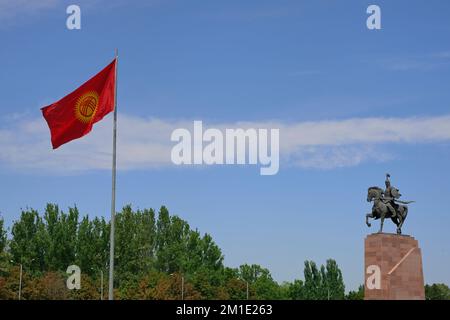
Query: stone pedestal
{"points": [[393, 268]]}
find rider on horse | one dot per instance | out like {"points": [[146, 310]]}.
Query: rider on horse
{"points": [[386, 204], [389, 195]]}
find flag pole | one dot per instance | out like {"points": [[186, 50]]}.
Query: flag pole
{"points": [[113, 197]]}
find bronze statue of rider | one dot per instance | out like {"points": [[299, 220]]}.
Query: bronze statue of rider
{"points": [[388, 197]]}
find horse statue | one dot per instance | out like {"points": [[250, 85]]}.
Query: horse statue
{"points": [[387, 205]]}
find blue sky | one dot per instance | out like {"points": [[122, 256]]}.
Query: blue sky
{"points": [[351, 104]]}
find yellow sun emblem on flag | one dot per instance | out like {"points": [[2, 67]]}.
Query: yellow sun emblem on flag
{"points": [[86, 106]]}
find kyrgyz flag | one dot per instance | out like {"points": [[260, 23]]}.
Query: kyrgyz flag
{"points": [[73, 116]]}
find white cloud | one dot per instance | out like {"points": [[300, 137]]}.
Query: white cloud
{"points": [[141, 144], [367, 131], [145, 143], [330, 157]]}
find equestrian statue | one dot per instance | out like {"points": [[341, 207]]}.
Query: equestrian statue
{"points": [[387, 205]]}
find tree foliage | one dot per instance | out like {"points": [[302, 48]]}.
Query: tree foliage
{"points": [[157, 256], [356, 295], [2, 236], [325, 283], [437, 291], [146, 246]]}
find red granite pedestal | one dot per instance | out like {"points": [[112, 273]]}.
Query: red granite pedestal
{"points": [[393, 268]]}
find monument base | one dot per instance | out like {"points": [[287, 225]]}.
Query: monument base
{"points": [[393, 268]]}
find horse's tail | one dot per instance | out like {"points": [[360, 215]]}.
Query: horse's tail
{"points": [[404, 202]]}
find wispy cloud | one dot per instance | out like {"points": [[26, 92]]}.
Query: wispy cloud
{"points": [[145, 143], [426, 62], [330, 157], [306, 72], [442, 55]]}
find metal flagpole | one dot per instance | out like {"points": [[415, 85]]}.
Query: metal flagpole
{"points": [[113, 197]]}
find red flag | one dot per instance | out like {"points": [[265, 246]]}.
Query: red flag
{"points": [[73, 116]]}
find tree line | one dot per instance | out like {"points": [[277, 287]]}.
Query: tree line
{"points": [[156, 255]]}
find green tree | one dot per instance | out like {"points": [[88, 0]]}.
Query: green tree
{"points": [[135, 233], [152, 257], [261, 281], [28, 244], [333, 283], [92, 246], [284, 291], [90, 289], [251, 273], [266, 288], [313, 282], [209, 261], [323, 284], [356, 295], [296, 290], [236, 289], [9, 283], [6, 289], [48, 286], [180, 249], [161, 286], [2, 236], [165, 261], [60, 237], [4, 256], [437, 291]]}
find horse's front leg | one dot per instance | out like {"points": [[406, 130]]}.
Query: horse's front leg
{"points": [[402, 219], [400, 223], [369, 215], [381, 223]]}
